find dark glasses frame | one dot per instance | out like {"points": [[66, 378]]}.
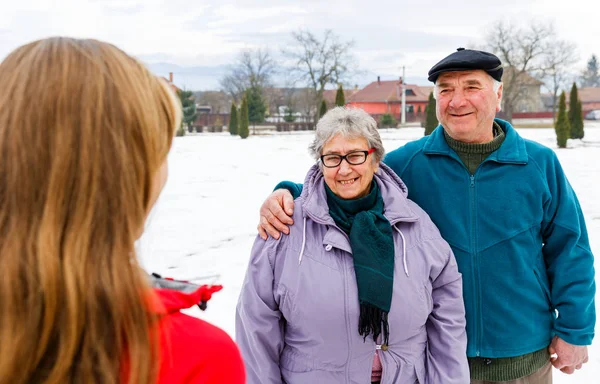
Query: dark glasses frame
{"points": [[340, 158]]}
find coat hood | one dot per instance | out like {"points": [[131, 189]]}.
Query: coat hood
{"points": [[170, 295]]}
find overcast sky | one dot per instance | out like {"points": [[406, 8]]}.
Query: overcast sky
{"points": [[198, 39]]}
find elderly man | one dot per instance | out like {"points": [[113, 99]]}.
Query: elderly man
{"points": [[505, 206]]}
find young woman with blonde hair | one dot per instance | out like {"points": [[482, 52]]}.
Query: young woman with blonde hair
{"points": [[85, 131]]}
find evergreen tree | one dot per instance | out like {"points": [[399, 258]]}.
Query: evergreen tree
{"points": [[431, 121], [387, 121], [233, 120], [256, 105], [323, 109], [577, 128], [339, 97], [562, 123], [244, 122], [575, 114], [188, 105], [591, 75], [289, 116], [572, 108]]}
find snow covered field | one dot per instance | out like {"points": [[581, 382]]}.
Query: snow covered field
{"points": [[205, 220]]}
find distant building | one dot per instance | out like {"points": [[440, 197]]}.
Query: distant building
{"points": [[330, 94], [548, 101], [385, 96], [529, 97], [218, 101], [170, 82], [590, 98]]}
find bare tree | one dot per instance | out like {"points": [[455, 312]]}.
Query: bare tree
{"points": [[252, 69], [233, 85], [276, 98], [273, 98], [291, 98], [558, 59], [523, 52], [304, 102], [319, 62]]}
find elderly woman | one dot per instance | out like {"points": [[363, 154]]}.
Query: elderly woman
{"points": [[363, 289]]}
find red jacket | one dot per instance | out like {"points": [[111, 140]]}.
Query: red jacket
{"points": [[192, 350]]}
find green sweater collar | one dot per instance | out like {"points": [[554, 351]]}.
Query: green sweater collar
{"points": [[472, 155], [485, 148]]}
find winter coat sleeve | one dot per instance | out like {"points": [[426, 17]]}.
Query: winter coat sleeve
{"points": [[222, 364], [259, 323], [446, 334], [295, 189], [568, 260]]}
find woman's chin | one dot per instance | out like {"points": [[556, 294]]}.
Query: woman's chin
{"points": [[352, 193]]}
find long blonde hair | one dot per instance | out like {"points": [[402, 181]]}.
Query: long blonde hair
{"points": [[83, 130]]}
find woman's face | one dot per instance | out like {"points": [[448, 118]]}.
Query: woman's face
{"points": [[349, 181]]}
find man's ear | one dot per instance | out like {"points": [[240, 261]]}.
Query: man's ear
{"points": [[499, 96]]}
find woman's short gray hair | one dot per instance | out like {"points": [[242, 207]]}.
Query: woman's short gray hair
{"points": [[350, 123]]}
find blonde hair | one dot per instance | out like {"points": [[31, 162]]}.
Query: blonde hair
{"points": [[83, 130]]}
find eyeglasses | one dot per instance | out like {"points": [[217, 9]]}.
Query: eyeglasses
{"points": [[353, 158]]}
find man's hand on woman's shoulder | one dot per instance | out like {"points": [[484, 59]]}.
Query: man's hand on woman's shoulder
{"points": [[275, 214]]}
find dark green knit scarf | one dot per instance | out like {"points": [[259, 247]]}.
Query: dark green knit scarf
{"points": [[372, 245]]}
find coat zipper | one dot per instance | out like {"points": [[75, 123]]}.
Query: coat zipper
{"points": [[345, 270], [475, 269], [385, 371], [475, 274]]}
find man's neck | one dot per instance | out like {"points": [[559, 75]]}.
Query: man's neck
{"points": [[458, 145], [471, 154], [483, 139]]}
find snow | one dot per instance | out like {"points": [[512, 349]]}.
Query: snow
{"points": [[204, 223]]}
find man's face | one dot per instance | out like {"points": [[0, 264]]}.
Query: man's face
{"points": [[466, 105]]}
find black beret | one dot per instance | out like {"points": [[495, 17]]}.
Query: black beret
{"points": [[467, 60]]}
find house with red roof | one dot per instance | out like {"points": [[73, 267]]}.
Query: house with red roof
{"points": [[385, 96], [169, 81]]}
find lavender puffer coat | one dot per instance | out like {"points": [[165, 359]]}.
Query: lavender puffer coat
{"points": [[297, 315]]}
